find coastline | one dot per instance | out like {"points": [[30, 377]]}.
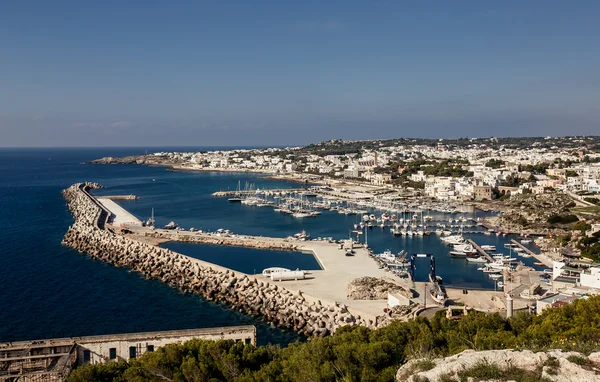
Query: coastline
{"points": [[254, 295]]}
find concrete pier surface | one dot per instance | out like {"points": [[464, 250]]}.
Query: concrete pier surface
{"points": [[538, 256], [119, 215], [338, 271]]}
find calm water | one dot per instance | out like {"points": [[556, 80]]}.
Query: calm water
{"points": [[50, 291], [247, 260]]}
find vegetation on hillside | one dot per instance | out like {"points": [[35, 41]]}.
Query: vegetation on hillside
{"points": [[442, 168], [358, 353], [562, 219], [494, 163]]}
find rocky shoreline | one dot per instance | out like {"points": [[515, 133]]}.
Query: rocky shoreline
{"points": [[274, 304]]}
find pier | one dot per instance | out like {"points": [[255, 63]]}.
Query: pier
{"points": [[279, 191], [118, 215], [541, 258], [481, 251], [121, 197]]}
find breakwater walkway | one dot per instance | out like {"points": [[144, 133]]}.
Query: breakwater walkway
{"points": [[292, 305], [118, 216]]}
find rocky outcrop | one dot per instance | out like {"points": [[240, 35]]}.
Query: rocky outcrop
{"points": [[373, 288], [133, 159], [550, 366], [529, 212], [249, 295]]}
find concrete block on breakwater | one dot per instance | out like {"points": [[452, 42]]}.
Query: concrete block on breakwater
{"points": [[272, 302]]}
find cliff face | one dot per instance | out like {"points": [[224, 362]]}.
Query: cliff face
{"points": [[504, 365]]}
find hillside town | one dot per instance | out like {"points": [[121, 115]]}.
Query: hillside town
{"points": [[478, 169], [541, 185]]}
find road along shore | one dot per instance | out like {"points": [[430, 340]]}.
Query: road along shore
{"points": [[275, 304]]}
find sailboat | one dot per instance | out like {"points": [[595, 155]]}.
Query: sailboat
{"points": [[150, 222], [236, 197]]}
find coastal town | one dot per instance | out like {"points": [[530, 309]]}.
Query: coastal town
{"points": [[542, 189], [448, 170], [518, 220], [300, 191]]}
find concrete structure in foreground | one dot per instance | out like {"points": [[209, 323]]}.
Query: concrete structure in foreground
{"points": [[53, 359]]}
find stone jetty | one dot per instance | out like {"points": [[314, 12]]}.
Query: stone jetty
{"points": [[163, 236], [273, 303]]}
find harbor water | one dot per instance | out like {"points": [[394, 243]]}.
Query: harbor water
{"points": [[49, 291]]}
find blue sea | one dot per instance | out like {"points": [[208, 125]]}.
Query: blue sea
{"points": [[47, 290]]}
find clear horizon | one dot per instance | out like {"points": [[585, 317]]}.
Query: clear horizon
{"points": [[267, 73], [274, 146]]}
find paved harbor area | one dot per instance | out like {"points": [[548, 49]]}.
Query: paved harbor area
{"points": [[339, 270]]}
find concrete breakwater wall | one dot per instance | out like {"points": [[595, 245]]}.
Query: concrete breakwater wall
{"points": [[273, 303]]}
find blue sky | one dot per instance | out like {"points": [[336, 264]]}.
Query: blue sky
{"points": [[147, 73]]}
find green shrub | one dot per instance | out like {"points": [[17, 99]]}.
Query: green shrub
{"points": [[578, 360], [562, 219], [581, 226], [362, 354]]}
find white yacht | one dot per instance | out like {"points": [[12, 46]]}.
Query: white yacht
{"points": [[476, 260], [453, 239], [466, 248]]}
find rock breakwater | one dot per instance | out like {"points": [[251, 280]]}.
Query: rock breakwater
{"points": [[273, 303]]}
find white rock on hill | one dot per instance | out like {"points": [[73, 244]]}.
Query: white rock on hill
{"points": [[555, 365]]}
